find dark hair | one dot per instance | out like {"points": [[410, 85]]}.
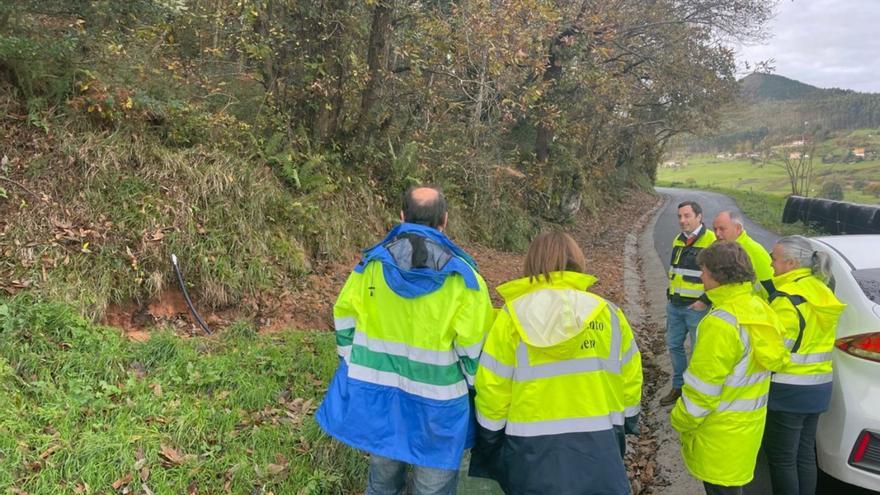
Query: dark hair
{"points": [[694, 206], [430, 213], [727, 263], [553, 251]]}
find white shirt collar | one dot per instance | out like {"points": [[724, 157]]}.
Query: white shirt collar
{"points": [[695, 232]]}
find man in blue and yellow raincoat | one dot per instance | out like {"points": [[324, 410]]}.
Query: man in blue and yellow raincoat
{"points": [[410, 324]]}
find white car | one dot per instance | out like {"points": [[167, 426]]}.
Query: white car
{"points": [[848, 437]]}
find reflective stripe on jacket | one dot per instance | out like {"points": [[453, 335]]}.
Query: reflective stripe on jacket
{"points": [[684, 271], [817, 311], [401, 390], [722, 410], [559, 375]]}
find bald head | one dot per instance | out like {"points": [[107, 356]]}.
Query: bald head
{"points": [[425, 206], [728, 225]]}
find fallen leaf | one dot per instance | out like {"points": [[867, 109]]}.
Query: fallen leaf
{"points": [[171, 455], [51, 450], [274, 469], [122, 481], [140, 371]]}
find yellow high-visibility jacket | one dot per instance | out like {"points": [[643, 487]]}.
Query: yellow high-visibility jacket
{"points": [[721, 413], [685, 285], [761, 262], [809, 312], [560, 375]]}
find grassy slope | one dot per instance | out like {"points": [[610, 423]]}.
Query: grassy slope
{"points": [[766, 210], [117, 205], [708, 171], [80, 404]]}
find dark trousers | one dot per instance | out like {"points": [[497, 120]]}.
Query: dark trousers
{"points": [[790, 445], [722, 490]]}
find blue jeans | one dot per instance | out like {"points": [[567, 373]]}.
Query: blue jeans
{"points": [[790, 445], [681, 321], [388, 477]]}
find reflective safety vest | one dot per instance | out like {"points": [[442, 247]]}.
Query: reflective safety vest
{"points": [[722, 410], [809, 311], [401, 389], [560, 375], [761, 263], [685, 285]]}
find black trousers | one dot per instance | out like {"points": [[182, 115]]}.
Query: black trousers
{"points": [[790, 445], [722, 490]]}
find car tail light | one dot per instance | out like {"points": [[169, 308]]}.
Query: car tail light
{"points": [[866, 346], [866, 452]]}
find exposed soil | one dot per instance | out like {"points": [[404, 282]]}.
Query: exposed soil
{"points": [[601, 235]]}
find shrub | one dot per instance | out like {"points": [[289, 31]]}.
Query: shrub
{"points": [[832, 190], [42, 71], [872, 189]]}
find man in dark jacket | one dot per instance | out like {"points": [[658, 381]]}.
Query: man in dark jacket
{"points": [[687, 302]]}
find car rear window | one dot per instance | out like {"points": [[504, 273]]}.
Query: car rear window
{"points": [[869, 281]]}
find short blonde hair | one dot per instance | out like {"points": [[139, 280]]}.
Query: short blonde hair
{"points": [[553, 251]]}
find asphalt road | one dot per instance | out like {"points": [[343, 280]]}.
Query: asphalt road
{"points": [[712, 203]]}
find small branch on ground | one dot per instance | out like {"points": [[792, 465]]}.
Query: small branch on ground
{"points": [[20, 185]]}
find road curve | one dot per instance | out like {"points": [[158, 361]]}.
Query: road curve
{"points": [[667, 227]]}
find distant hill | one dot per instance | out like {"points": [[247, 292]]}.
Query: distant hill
{"points": [[772, 108], [759, 86]]}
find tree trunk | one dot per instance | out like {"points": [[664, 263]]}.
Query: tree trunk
{"points": [[481, 96], [270, 78], [380, 31], [330, 106], [544, 134]]}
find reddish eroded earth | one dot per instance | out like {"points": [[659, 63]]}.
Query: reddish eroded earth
{"points": [[600, 234]]}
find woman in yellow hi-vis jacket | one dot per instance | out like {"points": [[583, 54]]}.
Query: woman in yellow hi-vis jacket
{"points": [[721, 412], [800, 391], [559, 382]]}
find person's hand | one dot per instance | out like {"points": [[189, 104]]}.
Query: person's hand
{"points": [[698, 306]]}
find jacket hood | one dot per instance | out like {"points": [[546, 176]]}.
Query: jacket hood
{"points": [[551, 312], [821, 299], [416, 260]]}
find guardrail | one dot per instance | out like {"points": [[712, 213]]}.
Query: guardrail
{"points": [[834, 217]]}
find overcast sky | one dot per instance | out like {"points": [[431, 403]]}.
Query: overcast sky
{"points": [[826, 43]]}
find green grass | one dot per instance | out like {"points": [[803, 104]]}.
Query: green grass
{"points": [[82, 407], [702, 171]]}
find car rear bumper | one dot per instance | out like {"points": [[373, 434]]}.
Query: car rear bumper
{"points": [[855, 406]]}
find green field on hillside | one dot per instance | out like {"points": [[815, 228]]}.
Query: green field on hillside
{"points": [[741, 174]]}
